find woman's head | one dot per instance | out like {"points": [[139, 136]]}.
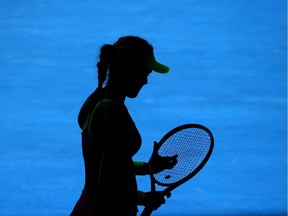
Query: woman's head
{"points": [[129, 59]]}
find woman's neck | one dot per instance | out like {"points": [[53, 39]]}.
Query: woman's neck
{"points": [[115, 93]]}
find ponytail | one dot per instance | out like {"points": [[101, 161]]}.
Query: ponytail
{"points": [[107, 53]]}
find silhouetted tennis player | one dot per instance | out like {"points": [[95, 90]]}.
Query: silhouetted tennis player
{"points": [[109, 136]]}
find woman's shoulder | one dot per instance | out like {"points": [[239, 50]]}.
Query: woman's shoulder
{"points": [[107, 112], [106, 102], [108, 107]]}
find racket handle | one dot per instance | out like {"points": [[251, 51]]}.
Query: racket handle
{"points": [[146, 212]]}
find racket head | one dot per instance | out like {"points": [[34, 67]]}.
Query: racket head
{"points": [[193, 143]]}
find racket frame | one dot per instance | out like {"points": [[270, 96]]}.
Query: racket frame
{"points": [[172, 186]]}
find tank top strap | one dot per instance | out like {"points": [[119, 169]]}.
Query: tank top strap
{"points": [[91, 112]]}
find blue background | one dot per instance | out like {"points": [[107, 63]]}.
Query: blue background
{"points": [[228, 65]]}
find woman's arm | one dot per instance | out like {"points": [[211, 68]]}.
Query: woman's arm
{"points": [[141, 168]]}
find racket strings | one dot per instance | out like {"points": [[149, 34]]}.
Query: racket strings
{"points": [[191, 145]]}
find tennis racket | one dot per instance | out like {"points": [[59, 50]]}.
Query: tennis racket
{"points": [[193, 143]]}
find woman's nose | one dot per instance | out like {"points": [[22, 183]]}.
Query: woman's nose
{"points": [[145, 80]]}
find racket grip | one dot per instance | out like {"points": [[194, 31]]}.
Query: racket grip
{"points": [[146, 212]]}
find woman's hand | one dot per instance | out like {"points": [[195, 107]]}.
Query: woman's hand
{"points": [[153, 200], [158, 163]]}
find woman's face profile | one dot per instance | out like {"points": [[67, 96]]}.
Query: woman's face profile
{"points": [[138, 77]]}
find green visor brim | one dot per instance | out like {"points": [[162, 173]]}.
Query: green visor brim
{"points": [[155, 65]]}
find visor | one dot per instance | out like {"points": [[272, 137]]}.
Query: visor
{"points": [[154, 65]]}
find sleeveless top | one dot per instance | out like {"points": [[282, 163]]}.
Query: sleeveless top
{"points": [[110, 139]]}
